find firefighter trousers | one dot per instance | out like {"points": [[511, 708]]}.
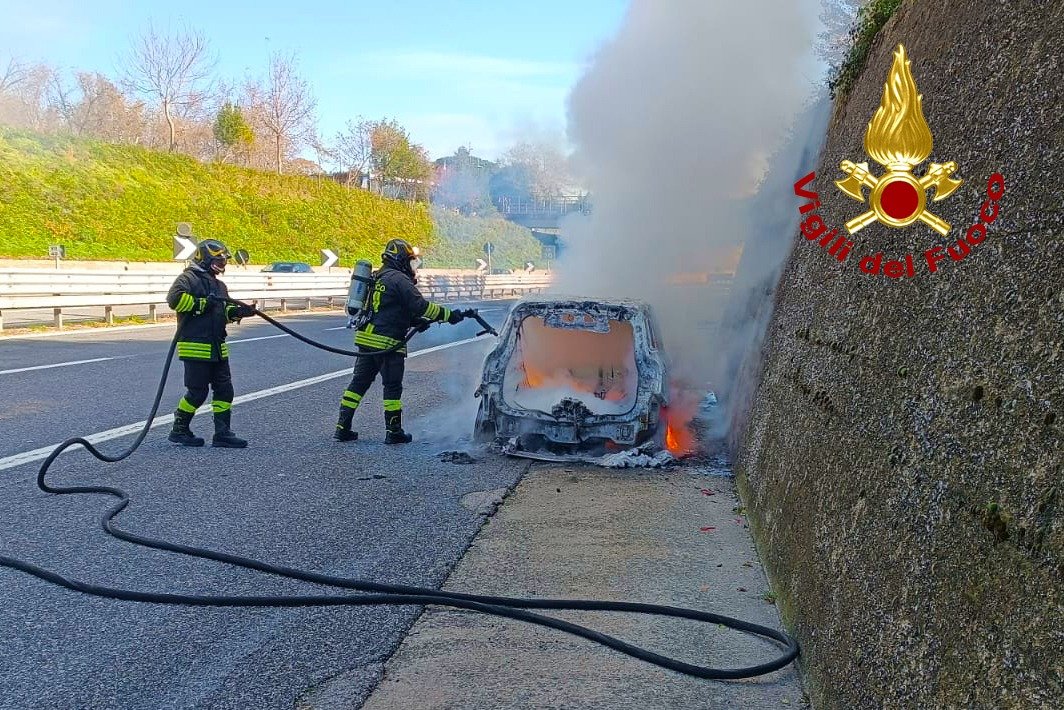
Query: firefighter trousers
{"points": [[390, 367], [201, 374]]}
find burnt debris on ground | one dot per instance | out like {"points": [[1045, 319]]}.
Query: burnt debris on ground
{"points": [[648, 455], [457, 457]]}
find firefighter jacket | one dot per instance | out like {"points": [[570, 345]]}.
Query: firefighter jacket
{"points": [[396, 305], [202, 321]]}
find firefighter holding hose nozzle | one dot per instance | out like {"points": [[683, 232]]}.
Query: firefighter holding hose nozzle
{"points": [[203, 311], [393, 304]]}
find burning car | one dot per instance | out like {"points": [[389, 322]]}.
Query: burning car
{"points": [[571, 376]]}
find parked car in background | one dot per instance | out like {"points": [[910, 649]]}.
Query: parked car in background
{"points": [[288, 267]]}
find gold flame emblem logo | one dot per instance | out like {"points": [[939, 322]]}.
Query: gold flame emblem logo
{"points": [[899, 139]]}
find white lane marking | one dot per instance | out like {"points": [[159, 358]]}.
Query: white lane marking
{"points": [[120, 357], [437, 348], [107, 330], [264, 337], [43, 452], [62, 364], [339, 327]]}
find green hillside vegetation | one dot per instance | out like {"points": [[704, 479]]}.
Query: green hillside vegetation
{"points": [[461, 242], [120, 202]]}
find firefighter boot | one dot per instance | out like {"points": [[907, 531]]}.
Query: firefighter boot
{"points": [[223, 436], [343, 425], [181, 434], [393, 426]]}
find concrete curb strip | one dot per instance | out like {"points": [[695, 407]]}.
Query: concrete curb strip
{"points": [[592, 533]]}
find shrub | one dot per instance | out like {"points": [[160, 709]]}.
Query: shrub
{"points": [[870, 20]]}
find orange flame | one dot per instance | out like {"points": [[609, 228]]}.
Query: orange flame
{"points": [[670, 439], [537, 379], [533, 378], [898, 134], [679, 440]]}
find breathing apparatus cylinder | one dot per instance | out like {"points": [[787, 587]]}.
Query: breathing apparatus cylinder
{"points": [[361, 286]]}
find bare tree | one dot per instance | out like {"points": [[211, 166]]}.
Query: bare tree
{"points": [[253, 106], [543, 165], [62, 99], [325, 152], [170, 69], [288, 106], [354, 149], [106, 113], [13, 74], [24, 96], [93, 106]]}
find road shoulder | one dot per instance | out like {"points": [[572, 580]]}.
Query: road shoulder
{"points": [[675, 538]]}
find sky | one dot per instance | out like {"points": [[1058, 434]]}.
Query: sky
{"points": [[479, 73]]}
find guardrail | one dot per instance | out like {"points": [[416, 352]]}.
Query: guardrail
{"points": [[33, 288]]}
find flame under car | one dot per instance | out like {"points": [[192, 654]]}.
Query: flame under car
{"points": [[572, 376]]}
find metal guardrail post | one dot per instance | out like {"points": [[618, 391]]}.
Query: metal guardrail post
{"points": [[57, 315]]}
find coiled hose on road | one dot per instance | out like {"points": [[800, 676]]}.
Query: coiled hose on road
{"points": [[375, 593]]}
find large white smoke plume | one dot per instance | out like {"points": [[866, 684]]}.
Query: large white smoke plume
{"points": [[678, 123]]}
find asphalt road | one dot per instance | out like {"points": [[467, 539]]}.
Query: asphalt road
{"points": [[294, 497]]}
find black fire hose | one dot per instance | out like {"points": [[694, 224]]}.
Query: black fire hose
{"points": [[378, 593], [470, 313]]}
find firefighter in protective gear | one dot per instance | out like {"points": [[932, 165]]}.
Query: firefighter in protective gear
{"points": [[395, 305], [199, 299]]}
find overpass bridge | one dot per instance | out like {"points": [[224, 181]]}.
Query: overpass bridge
{"points": [[542, 214]]}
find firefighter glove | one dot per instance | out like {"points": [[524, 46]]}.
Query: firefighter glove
{"points": [[456, 317], [245, 310]]}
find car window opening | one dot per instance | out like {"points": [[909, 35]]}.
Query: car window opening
{"points": [[549, 365]]}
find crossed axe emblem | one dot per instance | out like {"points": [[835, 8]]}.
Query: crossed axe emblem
{"points": [[938, 176]]}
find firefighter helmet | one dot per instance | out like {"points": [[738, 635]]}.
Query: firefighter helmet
{"points": [[211, 255], [397, 254]]}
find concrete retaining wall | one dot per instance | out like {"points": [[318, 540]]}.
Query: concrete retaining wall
{"points": [[902, 458]]}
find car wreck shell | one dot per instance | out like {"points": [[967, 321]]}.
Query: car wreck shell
{"points": [[573, 376]]}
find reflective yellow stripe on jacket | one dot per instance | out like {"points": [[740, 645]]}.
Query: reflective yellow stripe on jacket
{"points": [[436, 312], [187, 350], [373, 339], [376, 341], [185, 303]]}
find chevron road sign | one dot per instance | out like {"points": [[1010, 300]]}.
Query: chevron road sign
{"points": [[184, 242], [183, 248]]}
